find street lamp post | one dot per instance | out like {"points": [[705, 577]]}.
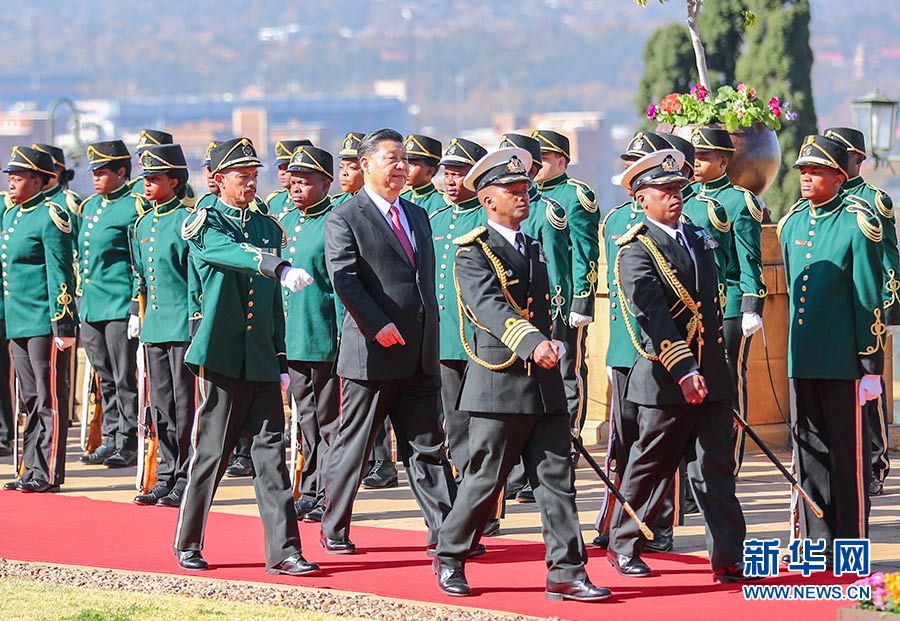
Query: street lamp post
{"points": [[875, 116]]}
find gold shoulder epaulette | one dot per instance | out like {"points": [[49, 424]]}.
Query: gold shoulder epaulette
{"points": [[585, 195], [752, 205], [797, 207], [189, 201], [717, 214], [883, 203], [259, 207], [631, 234], [469, 238], [193, 223], [60, 217], [437, 211], [866, 219], [273, 195], [140, 204], [72, 202], [612, 211], [556, 215]]}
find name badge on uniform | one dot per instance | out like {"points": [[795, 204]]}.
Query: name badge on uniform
{"points": [[709, 242]]}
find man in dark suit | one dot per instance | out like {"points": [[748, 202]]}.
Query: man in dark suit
{"points": [[512, 389], [381, 262], [680, 381]]}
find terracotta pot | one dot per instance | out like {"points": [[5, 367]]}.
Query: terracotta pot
{"points": [[757, 156]]}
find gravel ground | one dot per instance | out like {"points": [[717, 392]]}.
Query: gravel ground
{"points": [[322, 600]]}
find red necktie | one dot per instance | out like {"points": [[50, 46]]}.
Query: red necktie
{"points": [[401, 235]]}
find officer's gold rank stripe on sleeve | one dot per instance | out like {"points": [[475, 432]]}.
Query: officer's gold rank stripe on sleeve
{"points": [[516, 330], [671, 353]]}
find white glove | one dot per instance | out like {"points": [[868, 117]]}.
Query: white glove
{"points": [[134, 326], [750, 324], [560, 348], [295, 278], [577, 320], [285, 382], [869, 388], [63, 342]]}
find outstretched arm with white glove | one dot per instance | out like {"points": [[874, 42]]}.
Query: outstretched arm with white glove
{"points": [[750, 324]]}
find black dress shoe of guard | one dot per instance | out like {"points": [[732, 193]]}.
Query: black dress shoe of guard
{"points": [[5, 448], [100, 454], [337, 546], [512, 490], [525, 495], [192, 560], [36, 486], [491, 529], [240, 466], [172, 499], [13, 486], [315, 515], [382, 476], [294, 565], [304, 506], [123, 458], [151, 497], [600, 541], [629, 566], [732, 573], [876, 487], [451, 581], [663, 540], [577, 590]]}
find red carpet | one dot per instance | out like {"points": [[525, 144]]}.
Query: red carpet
{"points": [[80, 531]]}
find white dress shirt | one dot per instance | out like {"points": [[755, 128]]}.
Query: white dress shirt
{"points": [[385, 207], [508, 234]]}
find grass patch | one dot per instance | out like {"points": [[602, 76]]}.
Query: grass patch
{"points": [[32, 601]]}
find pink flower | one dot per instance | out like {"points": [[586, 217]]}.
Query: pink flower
{"points": [[699, 91], [651, 112], [775, 106], [741, 87]]}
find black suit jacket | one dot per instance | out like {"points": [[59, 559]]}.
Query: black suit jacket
{"points": [[523, 387], [663, 318], [377, 284]]}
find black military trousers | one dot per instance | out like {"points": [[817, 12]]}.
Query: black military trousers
{"points": [[737, 346], [172, 405], [43, 374], [575, 375], [497, 442], [876, 413], [315, 390], [832, 456], [6, 382], [412, 405], [456, 422], [383, 448], [229, 407], [114, 357], [702, 435]]}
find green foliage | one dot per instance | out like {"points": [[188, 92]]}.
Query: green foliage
{"points": [[721, 24], [732, 108], [778, 59], [668, 65]]}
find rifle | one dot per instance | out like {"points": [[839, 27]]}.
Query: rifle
{"points": [[148, 443]]}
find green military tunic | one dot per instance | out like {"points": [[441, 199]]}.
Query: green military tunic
{"points": [[446, 225], [104, 254], [236, 254], [165, 273], [312, 316], [70, 201], [279, 201], [189, 200], [832, 260], [710, 215], [881, 203], [547, 222], [745, 289], [620, 351], [427, 197], [340, 198], [36, 257], [581, 207]]}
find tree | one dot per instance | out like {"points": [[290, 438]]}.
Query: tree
{"points": [[778, 61], [668, 66], [721, 25]]}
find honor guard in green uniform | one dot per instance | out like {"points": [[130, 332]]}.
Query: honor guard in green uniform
{"points": [[665, 273], [877, 409], [39, 313], [239, 354], [512, 389], [547, 222], [464, 214], [745, 290], [350, 175], [168, 285], [312, 323], [831, 242], [150, 137], [212, 189], [57, 189], [583, 214], [279, 201], [424, 155], [108, 289]]}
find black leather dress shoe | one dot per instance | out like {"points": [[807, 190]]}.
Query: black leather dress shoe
{"points": [[5, 448], [315, 515], [491, 529], [192, 560], [172, 499], [663, 540], [382, 476], [13, 486], [151, 497], [294, 565], [512, 489], [100, 454], [629, 566], [732, 573], [577, 590], [690, 507], [123, 458], [36, 486], [600, 541], [337, 546], [451, 581], [525, 495], [876, 487], [304, 506], [240, 466]]}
